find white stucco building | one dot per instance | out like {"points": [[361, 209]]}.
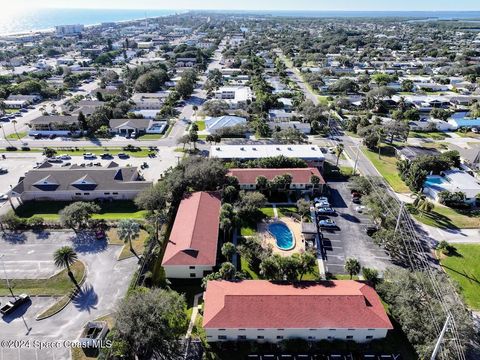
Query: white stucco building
{"points": [[264, 311]]}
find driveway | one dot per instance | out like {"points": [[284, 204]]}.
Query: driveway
{"points": [[350, 240], [106, 283]]}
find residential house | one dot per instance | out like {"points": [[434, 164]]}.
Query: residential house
{"points": [[185, 62], [469, 156], [191, 250], [259, 310], [453, 181], [216, 123], [279, 115], [304, 128], [77, 183], [138, 126], [412, 152], [149, 101], [301, 178]]}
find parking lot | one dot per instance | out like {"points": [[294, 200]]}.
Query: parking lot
{"points": [[350, 239], [106, 283]]}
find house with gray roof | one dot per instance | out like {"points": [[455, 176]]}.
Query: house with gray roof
{"points": [[78, 183], [55, 125], [216, 123]]}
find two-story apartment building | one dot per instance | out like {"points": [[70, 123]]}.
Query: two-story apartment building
{"points": [[236, 96], [301, 178], [191, 251], [55, 125], [265, 311]]}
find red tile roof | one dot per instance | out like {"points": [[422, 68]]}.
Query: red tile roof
{"points": [[260, 304], [299, 175], [194, 236]]}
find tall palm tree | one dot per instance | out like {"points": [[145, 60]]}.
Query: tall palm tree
{"points": [[5, 136], [14, 122], [128, 230], [2, 106], [339, 151], [352, 266], [63, 258]]}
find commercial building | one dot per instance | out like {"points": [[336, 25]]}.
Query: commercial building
{"points": [[69, 29], [265, 311], [310, 153]]}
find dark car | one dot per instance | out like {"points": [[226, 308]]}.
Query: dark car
{"points": [[356, 200], [123, 156], [12, 305], [370, 230], [106, 156]]}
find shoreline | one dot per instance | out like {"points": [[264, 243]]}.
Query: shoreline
{"points": [[90, 26]]}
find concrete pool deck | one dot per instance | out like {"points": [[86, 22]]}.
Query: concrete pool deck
{"points": [[269, 240]]}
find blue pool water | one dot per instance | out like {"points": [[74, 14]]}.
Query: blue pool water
{"points": [[435, 181], [283, 235]]}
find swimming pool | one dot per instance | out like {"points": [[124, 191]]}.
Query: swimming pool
{"points": [[435, 180], [283, 236]]}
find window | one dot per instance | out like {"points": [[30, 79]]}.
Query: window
{"points": [[260, 337], [368, 337], [78, 194], [106, 193], [351, 329], [312, 329], [115, 193], [280, 329], [241, 329], [349, 337], [330, 337], [221, 329], [261, 329], [86, 193], [222, 337], [192, 275], [371, 329], [311, 338], [332, 329], [191, 267], [279, 337], [242, 337]]}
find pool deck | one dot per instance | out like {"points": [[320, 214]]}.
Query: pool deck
{"points": [[268, 240]]}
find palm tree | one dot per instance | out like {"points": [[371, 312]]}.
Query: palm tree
{"points": [[63, 258], [127, 231], [2, 106], [422, 204], [339, 151], [5, 136], [14, 122], [352, 266]]}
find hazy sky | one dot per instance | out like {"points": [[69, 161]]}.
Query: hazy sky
{"points": [[367, 5]]}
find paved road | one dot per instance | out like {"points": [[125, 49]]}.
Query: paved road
{"points": [[106, 283]]}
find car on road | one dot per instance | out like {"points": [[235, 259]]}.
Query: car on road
{"points": [[123, 156], [65, 157], [54, 160], [24, 110], [3, 197], [89, 156], [15, 304], [328, 223], [3, 171], [326, 211]]}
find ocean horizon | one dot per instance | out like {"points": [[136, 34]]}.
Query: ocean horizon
{"points": [[46, 19]]}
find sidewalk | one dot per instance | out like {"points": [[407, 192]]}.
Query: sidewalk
{"points": [[452, 235]]}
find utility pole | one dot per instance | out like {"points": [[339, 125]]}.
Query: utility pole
{"points": [[402, 204], [356, 160], [6, 278], [440, 338]]}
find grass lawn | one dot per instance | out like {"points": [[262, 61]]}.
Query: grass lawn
{"points": [[14, 136], [387, 167], [94, 150], [200, 124], [446, 218], [464, 268], [11, 111], [49, 210], [57, 285], [434, 135], [150, 137], [138, 244]]}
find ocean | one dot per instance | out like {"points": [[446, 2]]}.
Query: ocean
{"points": [[31, 20]]}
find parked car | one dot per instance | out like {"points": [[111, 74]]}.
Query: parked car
{"points": [[326, 211], [331, 150], [52, 136], [328, 223], [3, 197], [12, 305], [3, 171], [123, 156], [65, 157], [54, 160], [360, 209], [106, 156], [371, 229], [322, 204], [89, 156], [320, 199], [356, 200]]}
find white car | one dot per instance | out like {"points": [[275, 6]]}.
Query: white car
{"points": [[360, 209], [320, 199], [322, 204], [331, 150], [3, 197]]}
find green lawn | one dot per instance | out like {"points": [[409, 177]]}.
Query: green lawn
{"points": [[150, 137], [448, 218], [138, 244], [14, 136], [57, 285], [464, 268], [95, 150], [434, 135], [49, 210], [201, 125], [387, 167]]}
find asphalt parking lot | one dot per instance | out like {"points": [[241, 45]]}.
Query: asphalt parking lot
{"points": [[106, 283], [350, 239]]}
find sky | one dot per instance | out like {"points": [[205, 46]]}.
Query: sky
{"points": [[350, 5]]}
